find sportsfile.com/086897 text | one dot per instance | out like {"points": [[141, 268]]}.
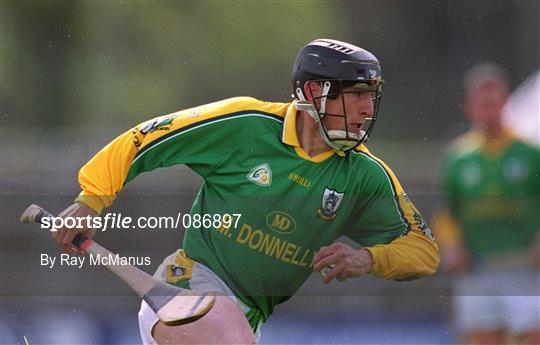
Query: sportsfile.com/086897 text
{"points": [[117, 221]]}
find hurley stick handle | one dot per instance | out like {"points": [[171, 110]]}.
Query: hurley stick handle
{"points": [[35, 214]]}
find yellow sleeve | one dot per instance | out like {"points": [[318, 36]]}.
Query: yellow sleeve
{"points": [[412, 255], [104, 175], [409, 257]]}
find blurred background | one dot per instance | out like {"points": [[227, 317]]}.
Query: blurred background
{"points": [[76, 74]]}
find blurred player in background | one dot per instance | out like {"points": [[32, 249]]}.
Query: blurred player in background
{"points": [[299, 175], [490, 233]]}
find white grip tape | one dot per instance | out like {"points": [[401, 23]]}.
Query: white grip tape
{"points": [[325, 270]]}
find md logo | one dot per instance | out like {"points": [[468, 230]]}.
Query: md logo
{"points": [[280, 222]]}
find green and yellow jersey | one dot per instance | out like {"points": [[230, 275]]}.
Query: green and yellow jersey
{"points": [[291, 204], [493, 193]]}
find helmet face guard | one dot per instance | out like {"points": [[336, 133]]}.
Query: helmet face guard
{"points": [[335, 66], [345, 139]]}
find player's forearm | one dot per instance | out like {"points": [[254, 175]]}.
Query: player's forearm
{"points": [[409, 257]]}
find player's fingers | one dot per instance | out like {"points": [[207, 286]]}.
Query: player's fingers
{"points": [[334, 272], [68, 237], [338, 254], [65, 239], [89, 233], [58, 236], [334, 248], [323, 252], [325, 261], [62, 246], [57, 229], [64, 234]]}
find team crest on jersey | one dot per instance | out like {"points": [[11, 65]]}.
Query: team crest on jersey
{"points": [[261, 175], [161, 123], [331, 200]]}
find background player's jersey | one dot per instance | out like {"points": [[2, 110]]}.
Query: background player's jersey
{"points": [[290, 204], [494, 193]]}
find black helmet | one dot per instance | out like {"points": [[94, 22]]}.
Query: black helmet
{"points": [[337, 64]]}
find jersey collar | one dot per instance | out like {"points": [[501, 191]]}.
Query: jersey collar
{"points": [[493, 147], [290, 137]]}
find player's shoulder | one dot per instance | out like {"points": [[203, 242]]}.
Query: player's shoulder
{"points": [[362, 154], [371, 166], [241, 106], [464, 146], [235, 114], [466, 143], [527, 151]]}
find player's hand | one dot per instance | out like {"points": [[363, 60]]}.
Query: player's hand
{"points": [[456, 259], [64, 236], [348, 262]]}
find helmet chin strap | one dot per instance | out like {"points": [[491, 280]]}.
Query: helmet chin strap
{"points": [[335, 138]]}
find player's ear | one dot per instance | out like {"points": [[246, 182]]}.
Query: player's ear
{"points": [[312, 89]]}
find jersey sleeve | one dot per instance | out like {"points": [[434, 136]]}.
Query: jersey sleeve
{"points": [[202, 138], [390, 227]]}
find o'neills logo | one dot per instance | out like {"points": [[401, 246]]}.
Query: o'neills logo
{"points": [[299, 179], [331, 200], [261, 175]]}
